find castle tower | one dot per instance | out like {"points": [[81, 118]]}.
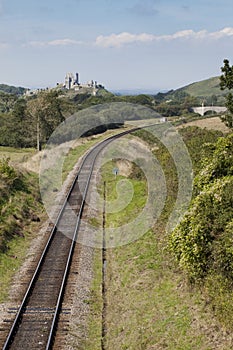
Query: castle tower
{"points": [[77, 79], [69, 80]]}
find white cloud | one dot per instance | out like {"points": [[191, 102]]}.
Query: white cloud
{"points": [[64, 42], [183, 34], [119, 40], [225, 32], [57, 42]]}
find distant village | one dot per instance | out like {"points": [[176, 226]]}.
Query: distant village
{"points": [[71, 82]]}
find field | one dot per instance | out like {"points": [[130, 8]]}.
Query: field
{"points": [[16, 155], [213, 123], [29, 158]]}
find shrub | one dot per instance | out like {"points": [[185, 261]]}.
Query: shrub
{"points": [[202, 242]]}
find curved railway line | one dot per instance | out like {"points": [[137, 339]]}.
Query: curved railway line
{"points": [[35, 323]]}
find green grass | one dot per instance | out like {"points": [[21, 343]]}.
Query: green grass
{"points": [[10, 263], [131, 210], [20, 204], [75, 153], [150, 306], [12, 258], [146, 309], [16, 155], [206, 87], [144, 305]]}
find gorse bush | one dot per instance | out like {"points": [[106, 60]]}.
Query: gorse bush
{"points": [[8, 176], [200, 143], [220, 164], [7, 172], [194, 240], [19, 199], [202, 241]]}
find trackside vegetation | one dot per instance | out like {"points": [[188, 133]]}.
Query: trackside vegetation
{"points": [[203, 242], [20, 214], [152, 300], [19, 196]]}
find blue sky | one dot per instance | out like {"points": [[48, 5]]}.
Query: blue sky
{"points": [[124, 44]]}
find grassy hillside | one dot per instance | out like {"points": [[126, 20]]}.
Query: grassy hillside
{"points": [[19, 198], [12, 89], [206, 88], [20, 213]]}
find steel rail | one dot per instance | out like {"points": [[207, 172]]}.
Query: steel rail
{"points": [[65, 276], [33, 280]]}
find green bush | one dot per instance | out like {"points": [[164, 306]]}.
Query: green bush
{"points": [[195, 241], [217, 166], [7, 173], [202, 242], [19, 200]]}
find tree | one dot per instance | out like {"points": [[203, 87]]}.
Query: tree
{"points": [[20, 125], [7, 102], [16, 127], [226, 82], [214, 100], [46, 115]]}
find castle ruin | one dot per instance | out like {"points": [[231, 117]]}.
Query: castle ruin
{"points": [[72, 82]]}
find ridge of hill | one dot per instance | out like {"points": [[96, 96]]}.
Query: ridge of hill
{"points": [[9, 89], [200, 89], [203, 88], [207, 90]]}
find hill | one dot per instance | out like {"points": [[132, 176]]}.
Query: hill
{"points": [[12, 89], [207, 90], [204, 88]]}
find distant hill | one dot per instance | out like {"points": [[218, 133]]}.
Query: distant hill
{"points": [[12, 89], [204, 88], [134, 92], [207, 90]]}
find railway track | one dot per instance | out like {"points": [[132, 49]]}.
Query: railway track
{"points": [[35, 323]]}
